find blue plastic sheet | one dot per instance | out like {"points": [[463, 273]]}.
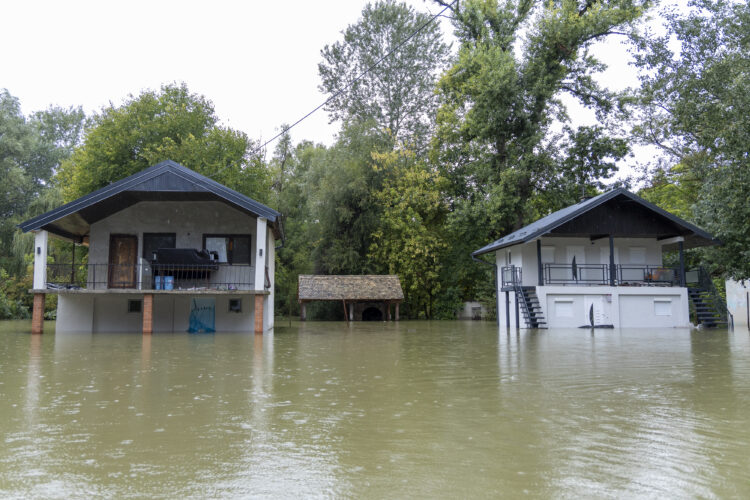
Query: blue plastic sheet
{"points": [[202, 315]]}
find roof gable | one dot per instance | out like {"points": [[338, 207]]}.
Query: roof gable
{"points": [[563, 222], [165, 181]]}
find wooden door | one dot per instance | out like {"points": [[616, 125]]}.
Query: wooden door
{"points": [[123, 259]]}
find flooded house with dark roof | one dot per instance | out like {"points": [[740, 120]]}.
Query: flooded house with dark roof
{"points": [[168, 250], [600, 262]]}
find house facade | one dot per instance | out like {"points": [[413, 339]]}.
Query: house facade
{"points": [[168, 250], [600, 263]]}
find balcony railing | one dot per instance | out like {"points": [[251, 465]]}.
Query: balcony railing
{"points": [[142, 277], [598, 274]]}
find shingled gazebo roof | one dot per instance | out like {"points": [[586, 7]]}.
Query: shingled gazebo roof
{"points": [[350, 288]]}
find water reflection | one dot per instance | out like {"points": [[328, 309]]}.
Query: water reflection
{"points": [[401, 409]]}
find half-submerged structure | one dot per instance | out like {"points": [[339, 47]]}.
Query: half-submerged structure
{"points": [[599, 263], [363, 298], [168, 250]]}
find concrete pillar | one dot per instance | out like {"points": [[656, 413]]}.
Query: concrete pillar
{"points": [[302, 311], [148, 314], [260, 255], [40, 260], [351, 312], [259, 313], [37, 314], [397, 304]]}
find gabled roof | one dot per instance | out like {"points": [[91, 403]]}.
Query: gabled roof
{"points": [[362, 288], [165, 181], [669, 225]]}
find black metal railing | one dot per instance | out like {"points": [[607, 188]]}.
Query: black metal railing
{"points": [[511, 276], [699, 278], [585, 274], [599, 274], [145, 277]]}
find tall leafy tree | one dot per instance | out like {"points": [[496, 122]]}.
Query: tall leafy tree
{"points": [[409, 240], [499, 137], [397, 95], [171, 123], [694, 105]]}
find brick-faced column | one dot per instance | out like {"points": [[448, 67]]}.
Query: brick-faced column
{"points": [[148, 314], [259, 314], [37, 314]]}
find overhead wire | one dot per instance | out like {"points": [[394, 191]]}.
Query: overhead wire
{"points": [[348, 86]]}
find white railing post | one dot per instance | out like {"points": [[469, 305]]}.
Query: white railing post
{"points": [[40, 260]]}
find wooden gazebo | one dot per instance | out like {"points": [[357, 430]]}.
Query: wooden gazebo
{"points": [[361, 296]]}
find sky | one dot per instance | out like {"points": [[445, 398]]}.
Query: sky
{"points": [[256, 61]]}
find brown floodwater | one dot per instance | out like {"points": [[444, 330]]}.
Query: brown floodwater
{"points": [[375, 410]]}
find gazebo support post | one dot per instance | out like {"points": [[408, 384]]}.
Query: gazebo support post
{"points": [[397, 304], [302, 311], [387, 311], [346, 311]]}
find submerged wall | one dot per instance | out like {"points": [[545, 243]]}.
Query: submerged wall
{"points": [[87, 313], [738, 299]]}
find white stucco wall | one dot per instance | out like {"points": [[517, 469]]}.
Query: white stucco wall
{"points": [[738, 297], [101, 313]]}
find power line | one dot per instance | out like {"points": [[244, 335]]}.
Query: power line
{"points": [[355, 80]]}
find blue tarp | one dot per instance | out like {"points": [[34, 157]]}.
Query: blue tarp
{"points": [[202, 315]]}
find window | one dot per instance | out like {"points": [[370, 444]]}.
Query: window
{"points": [[235, 305], [231, 248], [662, 307], [154, 241], [135, 306]]}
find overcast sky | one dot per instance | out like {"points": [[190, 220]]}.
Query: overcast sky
{"points": [[257, 61]]}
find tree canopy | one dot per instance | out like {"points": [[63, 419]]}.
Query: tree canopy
{"points": [[171, 123]]}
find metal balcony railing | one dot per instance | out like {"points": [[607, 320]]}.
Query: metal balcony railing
{"points": [[598, 274], [143, 277]]}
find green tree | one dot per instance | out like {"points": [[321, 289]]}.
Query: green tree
{"points": [[172, 123], [694, 102], [398, 95], [409, 240]]}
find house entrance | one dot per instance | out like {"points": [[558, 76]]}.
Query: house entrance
{"points": [[123, 257]]}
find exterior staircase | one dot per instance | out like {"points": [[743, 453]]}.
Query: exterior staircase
{"points": [[531, 309], [706, 313]]}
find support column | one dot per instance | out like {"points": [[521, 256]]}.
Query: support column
{"points": [[302, 311], [518, 320], [40, 260], [397, 304], [507, 310], [259, 313], [612, 268], [351, 312], [387, 311], [148, 314], [539, 261], [37, 314], [681, 250], [260, 254]]}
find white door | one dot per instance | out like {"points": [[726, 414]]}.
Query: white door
{"points": [[600, 310]]}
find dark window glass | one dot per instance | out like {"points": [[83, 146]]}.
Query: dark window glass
{"points": [[233, 249], [153, 241], [235, 305], [134, 306]]}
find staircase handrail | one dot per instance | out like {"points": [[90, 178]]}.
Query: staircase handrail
{"points": [[707, 284]]}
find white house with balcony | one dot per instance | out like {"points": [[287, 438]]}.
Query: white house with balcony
{"points": [[168, 250], [599, 263]]}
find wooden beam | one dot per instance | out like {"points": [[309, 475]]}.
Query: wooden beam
{"points": [[346, 311], [302, 311], [387, 310], [397, 304]]}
